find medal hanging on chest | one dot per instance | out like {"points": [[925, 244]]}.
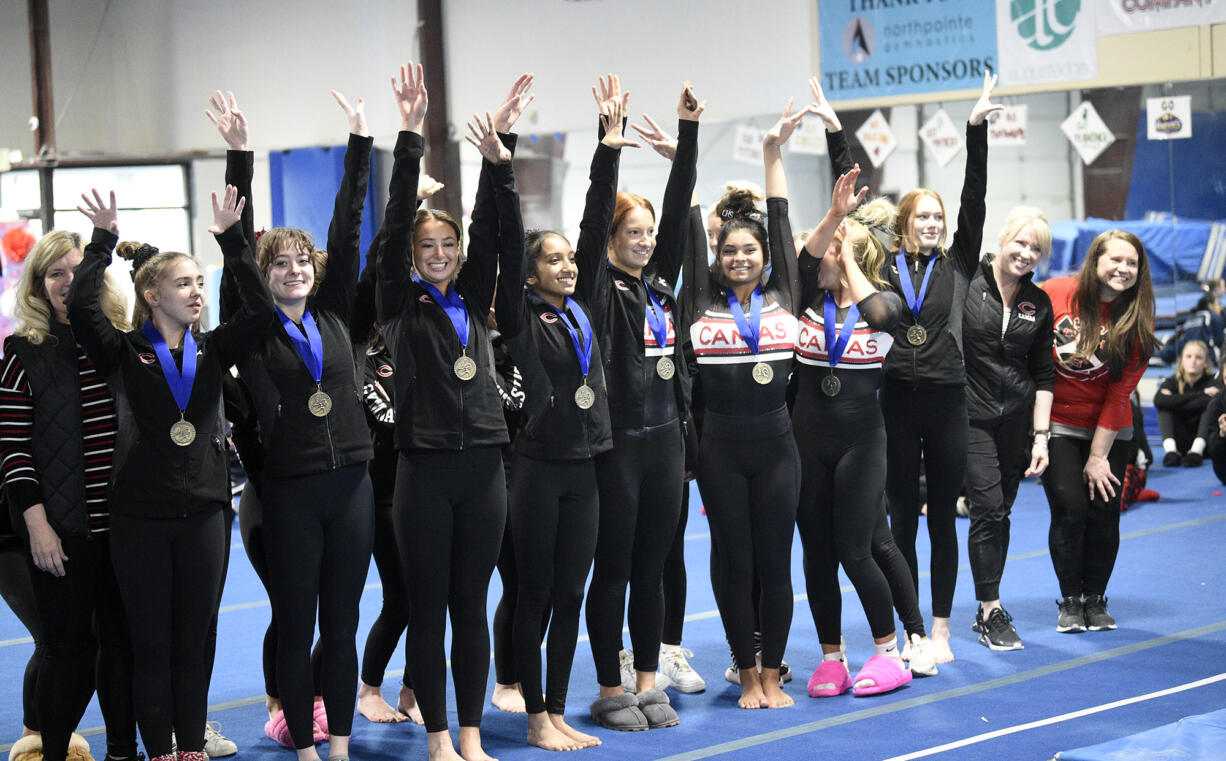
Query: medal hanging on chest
{"points": [[657, 320], [836, 344], [581, 339], [310, 348], [182, 432], [750, 328], [465, 367], [917, 335]]}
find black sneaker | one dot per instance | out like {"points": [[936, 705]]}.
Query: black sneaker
{"points": [[1097, 617], [1171, 460], [997, 633], [1072, 617], [1193, 460]]}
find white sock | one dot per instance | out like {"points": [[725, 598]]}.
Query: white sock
{"points": [[1168, 445], [890, 649], [835, 656], [1142, 461], [1198, 446]]}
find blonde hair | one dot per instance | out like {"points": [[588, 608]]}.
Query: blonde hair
{"points": [[1022, 216], [274, 241], [1181, 377], [867, 250], [33, 308], [147, 276]]}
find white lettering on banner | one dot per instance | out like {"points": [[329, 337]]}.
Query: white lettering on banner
{"points": [[1127, 16]]}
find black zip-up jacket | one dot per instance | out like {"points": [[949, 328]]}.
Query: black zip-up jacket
{"points": [[618, 301], [434, 408], [938, 362], [1003, 375], [151, 477], [1191, 403], [296, 442]]}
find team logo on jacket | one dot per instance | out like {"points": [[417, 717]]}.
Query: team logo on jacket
{"points": [[549, 318], [621, 285], [146, 358], [1025, 307], [425, 299], [1067, 363], [384, 371]]}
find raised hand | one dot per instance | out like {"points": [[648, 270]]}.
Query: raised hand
{"points": [[485, 137], [612, 114], [663, 143], [610, 90], [427, 186], [822, 107], [845, 199], [984, 105], [411, 97], [355, 115], [512, 107], [227, 213], [104, 215], [787, 124], [229, 120], [688, 107]]}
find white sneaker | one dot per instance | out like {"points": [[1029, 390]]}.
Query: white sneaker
{"points": [[733, 673], [919, 652], [630, 676], [673, 664], [217, 745]]}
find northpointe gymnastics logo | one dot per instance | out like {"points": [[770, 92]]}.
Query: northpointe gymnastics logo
{"points": [[1044, 24], [859, 40]]}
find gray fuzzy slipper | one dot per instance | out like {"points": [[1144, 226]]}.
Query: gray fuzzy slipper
{"points": [[620, 712], [654, 705]]}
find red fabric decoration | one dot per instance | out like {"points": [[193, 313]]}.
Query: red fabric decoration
{"points": [[16, 244]]}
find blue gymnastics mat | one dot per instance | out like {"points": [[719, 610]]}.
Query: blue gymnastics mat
{"points": [[1195, 738]]}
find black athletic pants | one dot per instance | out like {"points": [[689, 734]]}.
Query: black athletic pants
{"points": [[317, 536], [1181, 426], [394, 615], [85, 643], [931, 425], [842, 472], [169, 575], [450, 510], [1084, 537], [749, 477], [553, 516], [674, 577], [997, 455], [639, 482], [18, 592]]}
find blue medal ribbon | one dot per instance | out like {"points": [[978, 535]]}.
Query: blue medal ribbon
{"points": [[750, 328], [310, 347], [453, 305], [908, 290], [581, 337], [180, 382], [835, 346], [657, 318]]}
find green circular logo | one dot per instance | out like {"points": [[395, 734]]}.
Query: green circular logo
{"points": [[1044, 24]]}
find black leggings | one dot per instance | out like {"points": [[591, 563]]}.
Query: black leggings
{"points": [[449, 516], [840, 500], [394, 615], [1179, 425], [169, 574], [1084, 537], [929, 424], [210, 646], [675, 578], [749, 477], [553, 515], [18, 592], [640, 501], [86, 643], [251, 529], [996, 457], [317, 535]]}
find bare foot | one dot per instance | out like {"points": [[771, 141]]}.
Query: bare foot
{"points": [[775, 696], [372, 705], [940, 641], [273, 706], [752, 695], [509, 698], [470, 745], [584, 740], [439, 747], [407, 705], [543, 734]]}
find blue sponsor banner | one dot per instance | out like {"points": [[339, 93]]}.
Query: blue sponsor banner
{"points": [[875, 48]]}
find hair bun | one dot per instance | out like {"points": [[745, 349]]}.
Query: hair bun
{"points": [[137, 253]]}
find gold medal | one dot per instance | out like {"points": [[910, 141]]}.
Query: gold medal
{"points": [[831, 385], [916, 335], [465, 368], [763, 373], [585, 397], [319, 403], [665, 368], [182, 433]]}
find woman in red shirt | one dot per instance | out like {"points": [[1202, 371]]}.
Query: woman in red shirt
{"points": [[1104, 320]]}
